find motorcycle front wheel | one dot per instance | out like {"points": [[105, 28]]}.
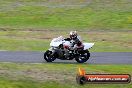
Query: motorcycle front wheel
{"points": [[48, 56], [81, 58]]}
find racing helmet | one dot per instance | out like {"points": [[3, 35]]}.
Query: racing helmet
{"points": [[73, 34]]}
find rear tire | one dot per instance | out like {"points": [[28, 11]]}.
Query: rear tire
{"points": [[83, 57], [48, 57]]}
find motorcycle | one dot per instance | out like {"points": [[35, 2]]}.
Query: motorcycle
{"points": [[63, 49]]}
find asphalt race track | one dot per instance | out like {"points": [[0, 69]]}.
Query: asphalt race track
{"points": [[37, 57]]}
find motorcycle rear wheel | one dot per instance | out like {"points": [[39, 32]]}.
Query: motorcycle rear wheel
{"points": [[83, 57]]}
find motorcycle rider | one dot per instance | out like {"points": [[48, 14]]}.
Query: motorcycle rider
{"points": [[75, 40], [75, 43]]}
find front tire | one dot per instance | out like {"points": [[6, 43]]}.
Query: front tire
{"points": [[48, 56], [83, 57]]}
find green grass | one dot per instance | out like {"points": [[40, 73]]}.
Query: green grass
{"points": [[57, 75], [23, 44], [107, 23], [40, 40], [81, 15]]}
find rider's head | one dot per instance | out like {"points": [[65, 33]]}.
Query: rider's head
{"points": [[73, 34]]}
